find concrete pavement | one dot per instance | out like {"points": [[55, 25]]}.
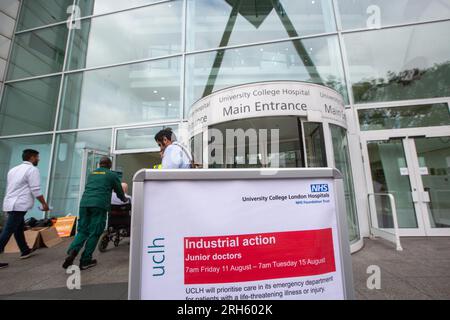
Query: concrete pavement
{"points": [[42, 277], [421, 271]]}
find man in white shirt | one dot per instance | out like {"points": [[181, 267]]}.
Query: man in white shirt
{"points": [[175, 155], [23, 186]]}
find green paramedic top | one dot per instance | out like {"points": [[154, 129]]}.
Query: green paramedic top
{"points": [[98, 191]]}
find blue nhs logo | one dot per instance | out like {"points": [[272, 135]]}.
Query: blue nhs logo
{"points": [[319, 188]]}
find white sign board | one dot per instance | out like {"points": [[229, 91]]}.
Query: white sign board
{"points": [[263, 99], [239, 239]]}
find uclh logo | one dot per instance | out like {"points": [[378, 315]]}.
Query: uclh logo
{"points": [[319, 188]]}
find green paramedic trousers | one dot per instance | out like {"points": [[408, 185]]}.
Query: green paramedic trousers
{"points": [[91, 224]]}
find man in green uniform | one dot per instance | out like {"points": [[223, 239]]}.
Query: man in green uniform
{"points": [[95, 203]]}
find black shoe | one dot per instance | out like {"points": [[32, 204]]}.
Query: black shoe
{"points": [[87, 265], [3, 265], [69, 260], [28, 254]]}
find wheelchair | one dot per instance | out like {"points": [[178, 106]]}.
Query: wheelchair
{"points": [[119, 224]]}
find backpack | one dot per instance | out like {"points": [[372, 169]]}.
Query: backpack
{"points": [[31, 222], [192, 164]]}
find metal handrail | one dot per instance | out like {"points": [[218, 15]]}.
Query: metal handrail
{"points": [[394, 217]]}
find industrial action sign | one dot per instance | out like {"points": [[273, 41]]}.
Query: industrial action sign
{"points": [[233, 239]]}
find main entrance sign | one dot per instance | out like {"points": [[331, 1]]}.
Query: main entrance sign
{"points": [[239, 234], [278, 98]]}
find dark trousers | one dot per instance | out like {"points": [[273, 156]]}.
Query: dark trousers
{"points": [[14, 225], [91, 224]]}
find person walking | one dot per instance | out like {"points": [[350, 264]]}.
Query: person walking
{"points": [[174, 155], [23, 186], [95, 203]]}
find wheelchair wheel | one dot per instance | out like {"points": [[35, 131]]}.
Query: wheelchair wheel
{"points": [[116, 242], [103, 243]]}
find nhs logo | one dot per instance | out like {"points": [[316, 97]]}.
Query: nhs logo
{"points": [[319, 188]]}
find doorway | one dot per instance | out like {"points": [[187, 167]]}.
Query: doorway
{"points": [[89, 162], [300, 143], [416, 171], [130, 163]]}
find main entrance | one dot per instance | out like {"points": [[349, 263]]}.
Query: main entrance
{"points": [[276, 124], [413, 166]]}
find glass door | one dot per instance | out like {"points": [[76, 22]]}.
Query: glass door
{"points": [[90, 162], [416, 171], [431, 157], [390, 173]]}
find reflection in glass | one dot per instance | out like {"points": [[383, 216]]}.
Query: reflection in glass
{"points": [[139, 138], [38, 52], [290, 150], [196, 145], [390, 175], [342, 163], [36, 13], [91, 7], [401, 63], [434, 158], [428, 115], [29, 106], [11, 156], [315, 145], [131, 35], [126, 94], [66, 175], [219, 23], [357, 14], [278, 61]]}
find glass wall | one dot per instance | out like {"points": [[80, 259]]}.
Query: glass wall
{"points": [[127, 36], [218, 23], [400, 64], [362, 14], [139, 138], [37, 97], [94, 7], [430, 115], [342, 163], [38, 52], [145, 62], [316, 156], [37, 13], [11, 156], [313, 60], [71, 151], [133, 93]]}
